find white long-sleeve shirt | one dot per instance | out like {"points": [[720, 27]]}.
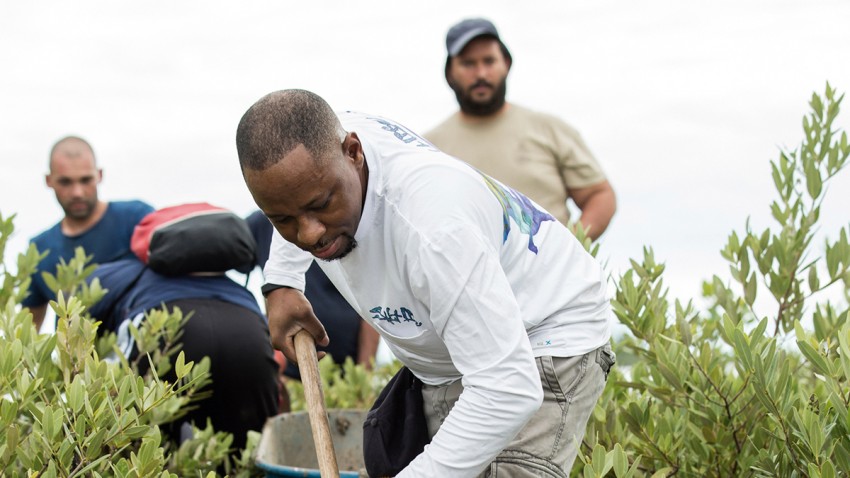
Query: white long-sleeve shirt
{"points": [[464, 279]]}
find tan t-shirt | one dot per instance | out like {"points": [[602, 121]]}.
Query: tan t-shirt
{"points": [[535, 153]]}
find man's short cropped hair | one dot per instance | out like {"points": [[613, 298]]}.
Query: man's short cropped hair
{"points": [[280, 121], [71, 146]]}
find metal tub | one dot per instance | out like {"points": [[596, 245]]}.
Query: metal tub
{"points": [[286, 448]]}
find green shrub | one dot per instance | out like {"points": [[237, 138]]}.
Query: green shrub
{"points": [[66, 411], [727, 391], [348, 385]]}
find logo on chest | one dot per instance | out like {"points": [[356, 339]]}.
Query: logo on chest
{"points": [[393, 316]]}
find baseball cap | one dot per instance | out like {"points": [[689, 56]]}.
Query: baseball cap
{"points": [[462, 33]]}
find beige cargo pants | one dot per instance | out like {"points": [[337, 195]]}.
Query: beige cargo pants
{"points": [[546, 446]]}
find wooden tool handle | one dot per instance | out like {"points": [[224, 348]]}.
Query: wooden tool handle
{"points": [[308, 364]]}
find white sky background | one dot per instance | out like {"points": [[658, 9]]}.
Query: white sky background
{"points": [[683, 102]]}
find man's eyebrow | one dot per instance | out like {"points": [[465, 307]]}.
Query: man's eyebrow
{"points": [[315, 202], [319, 200]]}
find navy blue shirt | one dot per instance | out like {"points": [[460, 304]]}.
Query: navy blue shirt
{"points": [[134, 288], [107, 241]]}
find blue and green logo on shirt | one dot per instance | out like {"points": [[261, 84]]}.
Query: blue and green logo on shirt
{"points": [[520, 209]]}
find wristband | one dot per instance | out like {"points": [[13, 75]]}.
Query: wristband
{"points": [[266, 289]]}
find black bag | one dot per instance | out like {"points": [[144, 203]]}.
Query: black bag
{"points": [[194, 238], [395, 430]]}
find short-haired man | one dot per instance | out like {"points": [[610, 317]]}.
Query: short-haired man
{"points": [[102, 228], [488, 300], [534, 153]]}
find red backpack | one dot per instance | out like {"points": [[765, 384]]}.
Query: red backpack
{"points": [[194, 238]]}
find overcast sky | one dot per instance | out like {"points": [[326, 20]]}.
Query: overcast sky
{"points": [[683, 102]]}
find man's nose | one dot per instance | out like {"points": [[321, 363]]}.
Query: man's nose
{"points": [[77, 189], [481, 70], [310, 230]]}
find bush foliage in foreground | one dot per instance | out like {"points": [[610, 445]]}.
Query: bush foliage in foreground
{"points": [[348, 385], [728, 391], [71, 405]]}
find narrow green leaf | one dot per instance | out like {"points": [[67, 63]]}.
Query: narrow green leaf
{"points": [[822, 366], [814, 182], [598, 460], [94, 443], [814, 282], [47, 424], [844, 347], [137, 431], [50, 281], [179, 366], [663, 472], [12, 437], [776, 175], [742, 348], [621, 461], [827, 470], [76, 394], [750, 289]]}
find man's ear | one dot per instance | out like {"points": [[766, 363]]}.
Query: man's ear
{"points": [[99, 175], [48, 180], [352, 148]]}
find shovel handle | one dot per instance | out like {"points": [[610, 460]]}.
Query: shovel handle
{"points": [[308, 364]]}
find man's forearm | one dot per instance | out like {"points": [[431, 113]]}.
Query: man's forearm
{"points": [[38, 313], [367, 344], [597, 213], [597, 204]]}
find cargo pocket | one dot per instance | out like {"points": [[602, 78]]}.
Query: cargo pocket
{"points": [[606, 358], [517, 464]]}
